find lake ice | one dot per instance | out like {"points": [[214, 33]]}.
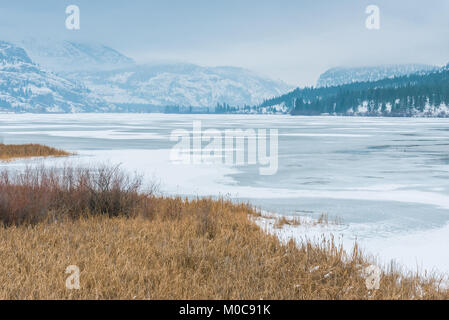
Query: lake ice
{"points": [[385, 178]]}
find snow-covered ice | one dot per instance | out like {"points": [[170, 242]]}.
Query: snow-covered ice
{"points": [[385, 178]]}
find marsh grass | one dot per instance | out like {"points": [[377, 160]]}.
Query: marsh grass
{"points": [[282, 221], [9, 152], [31, 195], [134, 245]]}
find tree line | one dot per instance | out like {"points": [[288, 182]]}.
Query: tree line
{"points": [[400, 96]]}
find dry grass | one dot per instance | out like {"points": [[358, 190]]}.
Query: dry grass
{"points": [[282, 221], [29, 196], [165, 248], [10, 152]]}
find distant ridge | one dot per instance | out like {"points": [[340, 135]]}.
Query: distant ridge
{"points": [[345, 75], [67, 56], [181, 84]]}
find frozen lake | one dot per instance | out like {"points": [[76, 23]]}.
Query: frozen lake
{"points": [[386, 178]]}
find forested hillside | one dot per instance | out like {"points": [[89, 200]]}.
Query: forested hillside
{"points": [[413, 95]]}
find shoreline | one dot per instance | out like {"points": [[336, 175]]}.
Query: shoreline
{"points": [[311, 230], [384, 248], [98, 221]]}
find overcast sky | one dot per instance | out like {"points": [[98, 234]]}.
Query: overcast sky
{"points": [[292, 40]]}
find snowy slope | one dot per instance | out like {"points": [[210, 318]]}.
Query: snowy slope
{"points": [[64, 76], [341, 75], [181, 85], [65, 56], [25, 86]]}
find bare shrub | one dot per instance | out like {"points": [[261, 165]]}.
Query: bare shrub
{"points": [[30, 195]]}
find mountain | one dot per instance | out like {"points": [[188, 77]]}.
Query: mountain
{"points": [[419, 94], [96, 78], [341, 75], [184, 85], [27, 87], [118, 80], [68, 56]]}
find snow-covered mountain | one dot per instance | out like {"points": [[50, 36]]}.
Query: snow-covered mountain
{"points": [[25, 86], [181, 85], [69, 56], [341, 75], [63, 76]]}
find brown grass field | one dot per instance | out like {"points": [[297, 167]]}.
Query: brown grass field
{"points": [[10, 152], [134, 245]]}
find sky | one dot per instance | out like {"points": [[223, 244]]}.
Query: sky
{"points": [[290, 40]]}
